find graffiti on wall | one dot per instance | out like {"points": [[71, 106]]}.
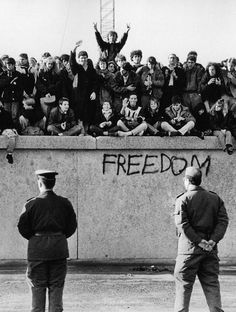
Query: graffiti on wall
{"points": [[141, 164]]}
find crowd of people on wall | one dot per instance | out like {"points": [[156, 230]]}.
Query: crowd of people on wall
{"points": [[116, 96]]}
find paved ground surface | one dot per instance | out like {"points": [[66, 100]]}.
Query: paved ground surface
{"points": [[113, 288]]}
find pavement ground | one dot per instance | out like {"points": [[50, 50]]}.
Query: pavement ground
{"points": [[114, 288]]}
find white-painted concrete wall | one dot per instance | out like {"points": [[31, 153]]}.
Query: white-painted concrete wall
{"points": [[122, 189]]}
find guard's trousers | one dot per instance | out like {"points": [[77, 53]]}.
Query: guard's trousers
{"points": [[47, 275], [206, 267]]}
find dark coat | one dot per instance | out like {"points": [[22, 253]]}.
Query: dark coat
{"points": [[152, 117], [47, 213], [5, 120], [105, 79], [85, 83], [110, 50], [56, 118], [48, 82], [199, 214], [101, 118], [120, 88], [211, 92], [11, 87], [218, 121]]}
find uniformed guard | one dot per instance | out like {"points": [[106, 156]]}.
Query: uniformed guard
{"points": [[201, 221], [46, 222]]}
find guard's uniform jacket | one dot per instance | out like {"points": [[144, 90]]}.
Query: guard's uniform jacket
{"points": [[47, 221], [199, 214]]}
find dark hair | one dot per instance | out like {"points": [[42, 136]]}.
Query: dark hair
{"points": [[192, 58], [194, 53], [135, 52], [127, 66], [48, 183], [83, 53], [101, 59], [61, 100], [152, 60], [65, 57], [176, 99], [11, 60], [217, 68], [24, 56], [197, 180], [46, 54], [112, 32]]}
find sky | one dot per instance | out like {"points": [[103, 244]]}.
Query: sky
{"points": [[158, 27]]}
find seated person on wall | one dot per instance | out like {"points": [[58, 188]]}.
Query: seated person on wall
{"points": [[124, 82], [202, 125], [151, 80], [105, 121], [104, 78], [179, 119], [131, 121], [111, 48], [193, 76], [7, 129], [136, 58], [229, 77], [32, 120], [220, 120], [212, 85], [153, 118], [62, 120]]}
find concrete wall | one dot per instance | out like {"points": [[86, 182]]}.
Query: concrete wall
{"points": [[123, 191]]}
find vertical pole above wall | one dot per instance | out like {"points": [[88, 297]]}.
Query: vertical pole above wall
{"points": [[107, 17]]}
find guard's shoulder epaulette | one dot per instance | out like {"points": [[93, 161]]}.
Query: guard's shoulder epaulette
{"points": [[179, 195], [28, 200], [213, 192]]}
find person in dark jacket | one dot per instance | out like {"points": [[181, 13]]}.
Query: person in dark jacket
{"points": [[32, 120], [174, 81], [105, 78], [48, 86], [201, 220], [110, 49], [7, 129], [84, 88], [105, 121], [28, 79], [125, 82], [11, 88], [220, 121], [212, 85], [62, 120], [153, 118], [47, 220]]}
